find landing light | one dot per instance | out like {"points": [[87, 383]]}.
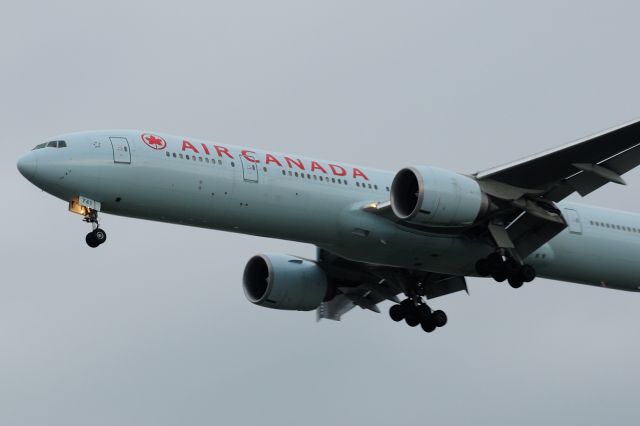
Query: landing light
{"points": [[76, 207]]}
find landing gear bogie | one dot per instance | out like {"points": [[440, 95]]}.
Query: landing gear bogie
{"points": [[415, 312], [505, 268]]}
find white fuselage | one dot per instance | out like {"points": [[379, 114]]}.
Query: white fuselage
{"points": [[199, 183]]}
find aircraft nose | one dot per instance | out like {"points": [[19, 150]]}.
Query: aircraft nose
{"points": [[28, 165]]}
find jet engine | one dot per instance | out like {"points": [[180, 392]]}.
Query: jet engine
{"points": [[280, 281], [437, 197]]}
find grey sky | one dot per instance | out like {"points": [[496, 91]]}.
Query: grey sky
{"points": [[153, 328]]}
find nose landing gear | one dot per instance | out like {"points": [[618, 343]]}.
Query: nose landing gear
{"points": [[97, 236]]}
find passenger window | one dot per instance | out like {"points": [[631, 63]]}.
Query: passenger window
{"points": [[174, 155], [206, 160], [181, 156], [284, 173], [52, 144], [200, 159], [188, 158], [233, 164], [333, 180], [168, 155]]}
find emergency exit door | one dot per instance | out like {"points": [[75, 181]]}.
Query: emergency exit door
{"points": [[121, 150], [573, 220], [249, 170]]}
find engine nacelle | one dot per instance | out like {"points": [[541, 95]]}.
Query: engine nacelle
{"points": [[280, 281], [436, 197]]}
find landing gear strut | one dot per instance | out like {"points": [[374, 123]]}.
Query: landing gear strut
{"points": [[415, 312], [504, 268], [97, 236]]}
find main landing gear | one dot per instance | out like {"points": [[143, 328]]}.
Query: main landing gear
{"points": [[97, 236], [415, 311], [503, 267]]}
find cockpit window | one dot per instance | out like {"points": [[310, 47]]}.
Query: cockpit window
{"points": [[52, 144]]}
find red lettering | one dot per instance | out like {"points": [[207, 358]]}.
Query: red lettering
{"points": [[206, 150], [337, 170], [245, 154], [297, 162], [222, 150], [271, 159], [357, 172], [187, 145], [316, 166]]}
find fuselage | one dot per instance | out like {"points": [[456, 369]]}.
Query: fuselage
{"points": [[210, 185]]}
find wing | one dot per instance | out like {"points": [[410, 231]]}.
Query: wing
{"points": [[363, 285], [582, 166], [526, 191]]}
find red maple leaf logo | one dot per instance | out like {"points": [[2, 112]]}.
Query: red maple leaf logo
{"points": [[153, 141]]}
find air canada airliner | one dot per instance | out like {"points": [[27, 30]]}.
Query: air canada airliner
{"points": [[405, 237]]}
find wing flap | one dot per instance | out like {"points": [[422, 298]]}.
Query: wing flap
{"points": [[586, 181], [448, 285], [529, 232]]}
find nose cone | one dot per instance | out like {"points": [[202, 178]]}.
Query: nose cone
{"points": [[28, 165]]}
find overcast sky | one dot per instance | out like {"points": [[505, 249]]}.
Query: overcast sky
{"points": [[153, 328]]}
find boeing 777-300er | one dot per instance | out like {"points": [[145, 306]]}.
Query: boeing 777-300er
{"points": [[379, 235]]}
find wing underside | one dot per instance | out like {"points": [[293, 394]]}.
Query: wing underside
{"points": [[362, 285]]}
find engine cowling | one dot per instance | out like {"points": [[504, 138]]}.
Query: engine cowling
{"points": [[436, 197], [280, 281]]}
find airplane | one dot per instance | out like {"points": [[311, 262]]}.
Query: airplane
{"points": [[380, 236]]}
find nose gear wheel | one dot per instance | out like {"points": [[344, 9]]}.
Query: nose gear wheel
{"points": [[97, 236]]}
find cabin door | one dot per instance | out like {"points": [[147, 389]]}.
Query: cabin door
{"points": [[573, 220], [249, 170], [121, 150]]}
